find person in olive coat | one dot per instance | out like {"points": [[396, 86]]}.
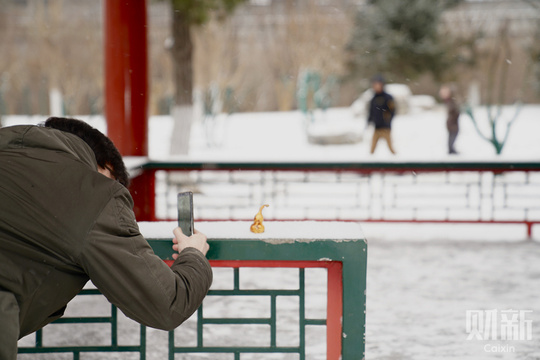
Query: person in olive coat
{"points": [[66, 218]]}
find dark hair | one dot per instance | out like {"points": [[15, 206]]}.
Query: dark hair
{"points": [[107, 155], [378, 79]]}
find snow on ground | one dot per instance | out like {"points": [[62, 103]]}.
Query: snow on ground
{"points": [[417, 136], [419, 292], [281, 136]]}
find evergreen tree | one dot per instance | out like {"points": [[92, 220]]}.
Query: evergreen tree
{"points": [[400, 39]]}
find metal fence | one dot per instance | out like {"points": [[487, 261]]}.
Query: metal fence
{"points": [[74, 349], [458, 192], [262, 334]]}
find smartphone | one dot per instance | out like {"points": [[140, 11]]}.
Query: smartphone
{"points": [[185, 212]]}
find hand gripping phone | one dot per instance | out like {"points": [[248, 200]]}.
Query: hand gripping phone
{"points": [[185, 212]]}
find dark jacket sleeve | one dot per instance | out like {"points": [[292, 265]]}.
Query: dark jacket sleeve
{"points": [[391, 103], [123, 266], [370, 112]]}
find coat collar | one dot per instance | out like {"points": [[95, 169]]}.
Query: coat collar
{"points": [[31, 136]]}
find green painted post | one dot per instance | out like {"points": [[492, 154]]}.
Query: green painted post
{"points": [[200, 327], [273, 319], [171, 345], [39, 338], [302, 314], [142, 343], [114, 325]]}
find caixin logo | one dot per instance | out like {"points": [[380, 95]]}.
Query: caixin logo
{"points": [[498, 325]]}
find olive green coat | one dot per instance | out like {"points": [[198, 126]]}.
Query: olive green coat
{"points": [[63, 223]]}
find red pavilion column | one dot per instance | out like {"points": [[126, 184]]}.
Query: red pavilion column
{"points": [[126, 75], [126, 91]]}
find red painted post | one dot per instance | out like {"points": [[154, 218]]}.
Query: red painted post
{"points": [[126, 91], [334, 311], [144, 196], [126, 75]]}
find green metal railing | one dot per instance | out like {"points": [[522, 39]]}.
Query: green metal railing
{"points": [[40, 348], [364, 166], [270, 321], [343, 257]]}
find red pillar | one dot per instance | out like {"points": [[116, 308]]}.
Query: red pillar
{"points": [[334, 311], [126, 75], [126, 91]]}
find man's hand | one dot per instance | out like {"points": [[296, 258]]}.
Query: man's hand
{"points": [[181, 241]]}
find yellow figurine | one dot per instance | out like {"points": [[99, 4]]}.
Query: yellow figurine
{"points": [[257, 227]]}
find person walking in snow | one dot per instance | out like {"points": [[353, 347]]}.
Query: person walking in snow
{"points": [[381, 112], [452, 116], [66, 218]]}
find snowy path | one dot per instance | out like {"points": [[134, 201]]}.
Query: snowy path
{"points": [[419, 292]]}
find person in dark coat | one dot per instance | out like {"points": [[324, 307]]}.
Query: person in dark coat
{"points": [[382, 108], [452, 116], [66, 218]]}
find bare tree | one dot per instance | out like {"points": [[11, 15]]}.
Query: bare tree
{"points": [[301, 37], [499, 60], [51, 45], [187, 14]]}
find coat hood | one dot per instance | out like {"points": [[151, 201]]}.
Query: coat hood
{"points": [[31, 136]]}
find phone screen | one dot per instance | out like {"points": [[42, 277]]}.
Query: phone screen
{"points": [[185, 212]]}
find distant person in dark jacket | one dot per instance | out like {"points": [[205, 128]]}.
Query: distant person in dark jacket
{"points": [[66, 219], [381, 112], [452, 116]]}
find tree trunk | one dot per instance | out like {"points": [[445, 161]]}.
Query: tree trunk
{"points": [[182, 56]]}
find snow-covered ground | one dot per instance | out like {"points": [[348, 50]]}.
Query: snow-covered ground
{"points": [[418, 135], [418, 294]]}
